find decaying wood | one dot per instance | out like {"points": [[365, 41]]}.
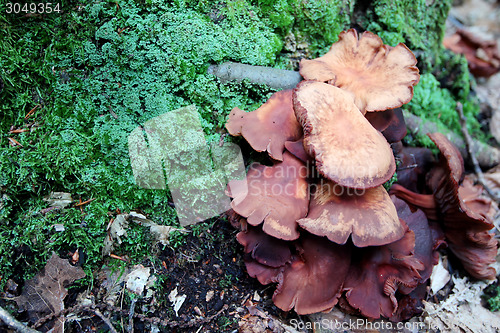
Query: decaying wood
{"points": [[487, 156]]}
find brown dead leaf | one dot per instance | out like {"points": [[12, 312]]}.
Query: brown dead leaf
{"points": [[482, 55], [462, 310], [45, 293]]}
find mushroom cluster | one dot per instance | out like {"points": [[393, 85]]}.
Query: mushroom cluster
{"points": [[318, 222]]}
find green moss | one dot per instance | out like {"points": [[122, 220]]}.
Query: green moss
{"points": [[316, 22], [417, 23], [99, 73], [432, 102]]}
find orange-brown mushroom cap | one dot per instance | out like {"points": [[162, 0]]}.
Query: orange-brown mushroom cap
{"points": [[370, 217], [379, 76], [276, 195], [347, 149], [268, 127]]}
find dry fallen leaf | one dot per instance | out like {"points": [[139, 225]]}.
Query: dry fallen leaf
{"points": [[439, 278], [177, 300], [116, 229], [45, 293], [159, 232], [138, 279], [462, 310]]}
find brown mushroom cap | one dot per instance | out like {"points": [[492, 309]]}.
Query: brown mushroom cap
{"points": [[347, 149], [377, 273], [380, 77], [450, 158], [312, 282], [370, 217], [268, 127], [276, 195], [263, 248]]}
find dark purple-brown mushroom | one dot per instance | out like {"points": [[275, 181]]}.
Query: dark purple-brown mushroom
{"points": [[390, 123], [376, 273], [313, 281], [465, 227]]}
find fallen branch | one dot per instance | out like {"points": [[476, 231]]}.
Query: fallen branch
{"points": [[105, 320], [10, 321], [486, 155], [272, 77], [475, 163]]}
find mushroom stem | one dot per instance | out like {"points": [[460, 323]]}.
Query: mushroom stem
{"points": [[487, 156], [425, 202]]}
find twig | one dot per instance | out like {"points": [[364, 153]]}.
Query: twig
{"points": [[273, 77], [106, 320], [84, 202], [14, 323], [30, 113], [487, 156], [468, 145], [130, 327]]}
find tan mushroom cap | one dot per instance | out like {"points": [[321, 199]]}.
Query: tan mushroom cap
{"points": [[268, 127], [347, 149], [371, 217], [276, 195], [379, 76]]}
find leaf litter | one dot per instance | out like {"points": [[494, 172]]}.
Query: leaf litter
{"points": [[45, 293]]}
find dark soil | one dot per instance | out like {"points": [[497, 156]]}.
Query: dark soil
{"points": [[207, 264]]}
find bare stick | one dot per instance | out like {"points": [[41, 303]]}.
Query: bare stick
{"points": [[130, 327], [486, 155], [468, 145], [106, 320], [10, 321], [273, 77]]}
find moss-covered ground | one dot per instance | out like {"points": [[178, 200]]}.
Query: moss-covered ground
{"points": [[94, 72]]}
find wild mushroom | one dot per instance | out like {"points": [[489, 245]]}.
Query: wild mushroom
{"points": [[369, 216], [310, 281], [465, 228], [390, 123], [268, 127], [347, 149], [413, 165], [276, 196], [265, 249], [376, 274], [379, 76], [313, 281]]}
